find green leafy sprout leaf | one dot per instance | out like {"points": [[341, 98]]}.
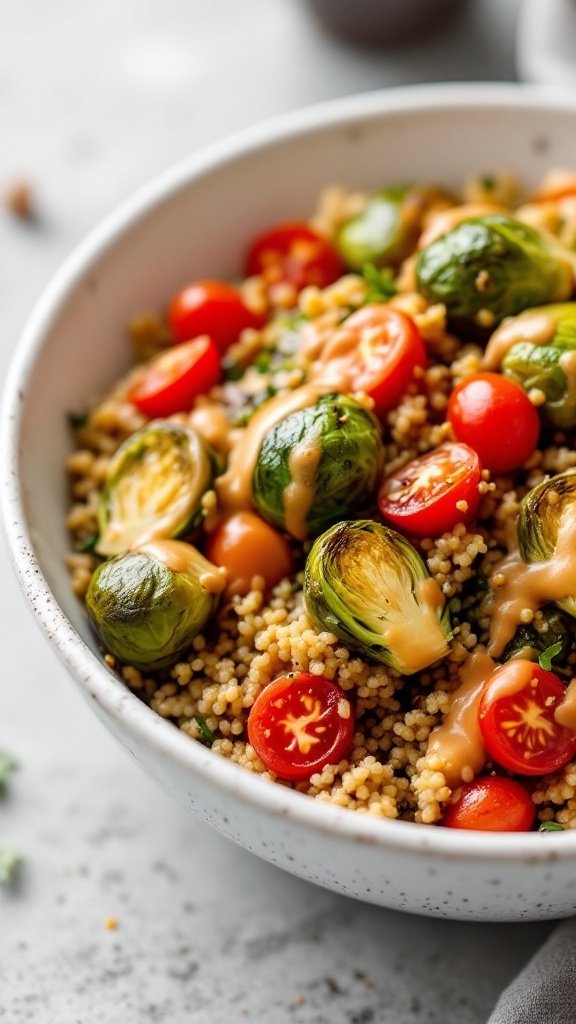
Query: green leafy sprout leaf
{"points": [[545, 659]]}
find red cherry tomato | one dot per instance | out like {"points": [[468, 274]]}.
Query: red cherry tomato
{"points": [[492, 804], [376, 349], [294, 253], [210, 307], [516, 715], [300, 723], [246, 546], [423, 497], [174, 379], [496, 418]]}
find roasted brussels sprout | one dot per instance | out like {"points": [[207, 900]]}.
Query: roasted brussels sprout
{"points": [[387, 229], [147, 606], [490, 267], [545, 513], [154, 487], [366, 584], [550, 367], [530, 641], [318, 465]]}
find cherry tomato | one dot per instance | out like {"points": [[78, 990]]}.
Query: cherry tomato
{"points": [[174, 379], [294, 253], [377, 348], [493, 803], [246, 546], [423, 496], [300, 723], [496, 418], [210, 307], [518, 726]]}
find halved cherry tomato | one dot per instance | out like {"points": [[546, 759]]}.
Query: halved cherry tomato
{"points": [[293, 252], [246, 546], [210, 307], [496, 418], [516, 715], [493, 803], [429, 495], [376, 350], [174, 379], [300, 723]]}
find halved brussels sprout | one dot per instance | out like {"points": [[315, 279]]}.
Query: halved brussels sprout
{"points": [[318, 465], [530, 642], [366, 584], [490, 267], [154, 487], [548, 366], [387, 229], [147, 606], [542, 513]]}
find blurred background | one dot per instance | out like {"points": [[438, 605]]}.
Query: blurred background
{"points": [[125, 910]]}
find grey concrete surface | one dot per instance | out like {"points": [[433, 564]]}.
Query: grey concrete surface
{"points": [[95, 97]]}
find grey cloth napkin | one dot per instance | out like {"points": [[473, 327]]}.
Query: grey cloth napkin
{"points": [[545, 991]]}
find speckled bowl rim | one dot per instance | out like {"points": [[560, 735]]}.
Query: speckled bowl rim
{"points": [[89, 671]]}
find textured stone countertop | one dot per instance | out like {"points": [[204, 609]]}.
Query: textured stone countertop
{"points": [[95, 97]]}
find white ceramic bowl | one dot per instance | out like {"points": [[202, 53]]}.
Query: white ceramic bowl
{"points": [[194, 221]]}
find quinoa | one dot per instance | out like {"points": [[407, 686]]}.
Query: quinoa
{"points": [[260, 635]]}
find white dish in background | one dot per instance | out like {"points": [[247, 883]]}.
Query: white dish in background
{"points": [[194, 221], [546, 42]]}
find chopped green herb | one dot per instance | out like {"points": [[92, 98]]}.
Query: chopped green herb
{"points": [[77, 419], [380, 283], [9, 860], [545, 659], [551, 826], [207, 736], [488, 182], [7, 766], [263, 361], [88, 544], [232, 369]]}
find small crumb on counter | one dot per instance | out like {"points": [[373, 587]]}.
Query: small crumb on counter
{"points": [[111, 923], [19, 201]]}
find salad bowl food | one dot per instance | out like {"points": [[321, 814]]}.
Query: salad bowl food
{"points": [[195, 224]]}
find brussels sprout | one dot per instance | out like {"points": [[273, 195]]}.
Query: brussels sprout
{"points": [[366, 584], [542, 512], [490, 267], [154, 487], [387, 229], [546, 366], [317, 466], [530, 642], [147, 606]]}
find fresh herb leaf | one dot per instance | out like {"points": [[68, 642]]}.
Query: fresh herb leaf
{"points": [[77, 419], [88, 544], [232, 369], [263, 361], [208, 737], [9, 860], [7, 766], [380, 283], [551, 826], [545, 659]]}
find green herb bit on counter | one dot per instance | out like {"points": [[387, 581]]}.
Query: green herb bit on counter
{"points": [[7, 766], [9, 861]]}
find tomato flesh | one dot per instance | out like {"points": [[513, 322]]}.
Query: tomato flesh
{"points": [[376, 350], [423, 496], [493, 803], [518, 726], [246, 546], [294, 253], [174, 379], [210, 307], [299, 723], [496, 418]]}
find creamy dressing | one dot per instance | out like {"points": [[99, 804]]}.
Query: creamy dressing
{"points": [[565, 713], [567, 364], [298, 496], [416, 649], [183, 558], [234, 488], [535, 328], [531, 586], [458, 740], [213, 424]]}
